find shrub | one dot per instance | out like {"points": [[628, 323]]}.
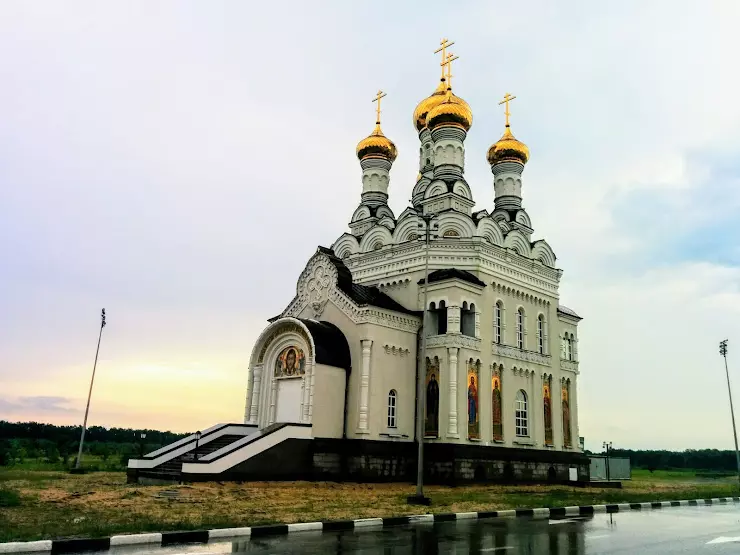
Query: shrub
{"points": [[9, 498]]}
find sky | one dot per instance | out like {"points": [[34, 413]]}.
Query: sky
{"points": [[178, 163]]}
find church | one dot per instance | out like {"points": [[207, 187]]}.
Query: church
{"points": [[458, 304]]}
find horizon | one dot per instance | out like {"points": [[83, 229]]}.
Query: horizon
{"points": [[178, 165]]}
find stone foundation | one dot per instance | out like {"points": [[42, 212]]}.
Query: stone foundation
{"points": [[352, 460]]}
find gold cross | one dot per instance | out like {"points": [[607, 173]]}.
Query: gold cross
{"points": [[507, 98], [448, 63], [377, 98], [443, 49]]}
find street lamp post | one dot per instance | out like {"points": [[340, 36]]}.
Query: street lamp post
{"points": [[197, 440], [419, 498], [89, 394], [142, 437], [607, 447], [723, 352]]}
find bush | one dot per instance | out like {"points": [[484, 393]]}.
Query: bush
{"points": [[9, 498]]}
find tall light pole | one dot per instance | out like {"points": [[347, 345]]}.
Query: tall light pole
{"points": [[607, 447], [723, 352], [89, 394], [419, 498]]}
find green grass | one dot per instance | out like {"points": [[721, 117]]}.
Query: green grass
{"points": [[9, 498], [46, 504]]}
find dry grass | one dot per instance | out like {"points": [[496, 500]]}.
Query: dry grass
{"points": [[55, 504]]}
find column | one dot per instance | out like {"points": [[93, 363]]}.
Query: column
{"points": [[453, 319], [452, 417], [477, 323], [305, 393], [273, 401], [255, 393], [363, 426]]}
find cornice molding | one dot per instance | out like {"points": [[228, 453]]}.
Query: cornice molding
{"points": [[466, 254], [517, 354], [455, 340]]}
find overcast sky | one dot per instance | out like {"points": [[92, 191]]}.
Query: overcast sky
{"points": [[178, 163]]}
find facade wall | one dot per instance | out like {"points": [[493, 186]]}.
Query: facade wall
{"points": [[522, 369], [329, 390]]}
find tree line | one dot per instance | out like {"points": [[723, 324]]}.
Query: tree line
{"points": [[21, 442], [690, 459]]}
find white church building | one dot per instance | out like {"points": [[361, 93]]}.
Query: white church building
{"points": [[333, 379]]}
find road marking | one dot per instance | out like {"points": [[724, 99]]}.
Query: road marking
{"points": [[562, 521], [597, 537], [723, 539], [489, 549]]}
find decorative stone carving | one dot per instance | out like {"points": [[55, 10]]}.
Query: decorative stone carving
{"points": [[457, 341], [569, 365], [393, 350], [518, 354]]}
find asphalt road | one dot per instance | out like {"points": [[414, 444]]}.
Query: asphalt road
{"points": [[675, 530]]}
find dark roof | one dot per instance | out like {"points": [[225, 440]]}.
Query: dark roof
{"points": [[568, 312], [332, 348], [453, 273], [362, 294]]}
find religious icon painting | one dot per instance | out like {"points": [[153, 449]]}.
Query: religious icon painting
{"points": [[431, 408], [498, 426], [547, 402], [567, 440], [291, 362], [473, 404]]}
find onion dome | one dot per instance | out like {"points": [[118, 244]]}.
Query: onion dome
{"points": [[453, 111], [508, 149], [376, 145], [421, 113]]}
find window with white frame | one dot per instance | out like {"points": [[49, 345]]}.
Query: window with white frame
{"points": [[392, 408], [520, 328], [521, 417], [497, 315], [541, 334]]}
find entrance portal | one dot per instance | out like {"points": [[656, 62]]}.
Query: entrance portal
{"points": [[289, 401]]}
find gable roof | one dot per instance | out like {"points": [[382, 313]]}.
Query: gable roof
{"points": [[453, 273], [362, 295], [565, 311]]}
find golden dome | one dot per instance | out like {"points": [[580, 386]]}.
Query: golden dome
{"points": [[421, 113], [454, 110], [508, 149], [376, 145]]}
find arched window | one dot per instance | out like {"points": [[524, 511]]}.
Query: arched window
{"points": [[467, 319], [497, 317], [520, 328], [377, 246], [568, 346], [521, 415], [392, 408], [451, 233], [541, 333], [442, 318]]}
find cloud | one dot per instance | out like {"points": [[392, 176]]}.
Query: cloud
{"points": [[38, 405], [178, 164]]}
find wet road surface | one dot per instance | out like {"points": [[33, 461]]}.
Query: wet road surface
{"points": [[676, 530]]}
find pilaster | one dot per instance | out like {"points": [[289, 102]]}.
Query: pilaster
{"points": [[273, 400], [453, 319], [255, 393], [363, 426], [452, 417]]}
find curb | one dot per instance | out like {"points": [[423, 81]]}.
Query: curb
{"points": [[206, 536]]}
